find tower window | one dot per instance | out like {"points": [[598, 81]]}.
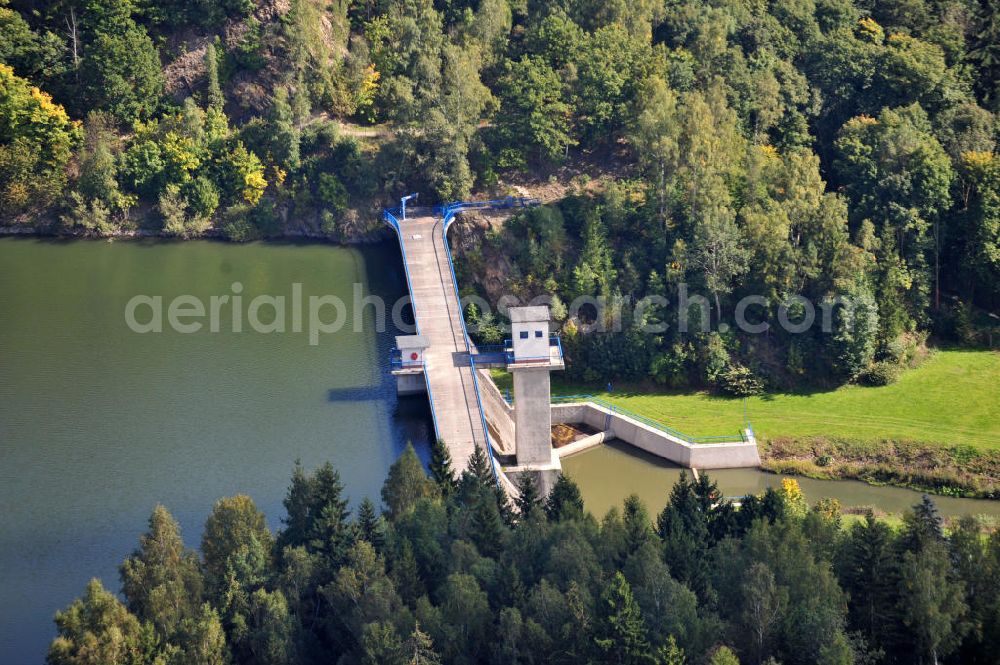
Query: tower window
{"points": [[538, 333], [524, 334]]}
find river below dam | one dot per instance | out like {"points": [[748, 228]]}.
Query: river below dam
{"points": [[599, 473], [99, 423]]}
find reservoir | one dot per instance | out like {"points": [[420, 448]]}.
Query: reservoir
{"points": [[99, 423]]}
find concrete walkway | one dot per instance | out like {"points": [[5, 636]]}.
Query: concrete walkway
{"points": [[457, 417]]}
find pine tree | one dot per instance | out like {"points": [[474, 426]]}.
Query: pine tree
{"points": [[923, 526], [638, 526], [724, 656], [683, 526], [564, 501], [214, 98], [440, 468], [420, 649], [370, 525], [621, 633], [405, 484], [487, 525], [480, 469], [528, 497], [331, 533], [869, 571], [406, 574], [287, 137], [503, 504], [297, 502]]}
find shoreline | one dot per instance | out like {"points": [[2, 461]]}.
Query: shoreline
{"points": [[955, 471], [376, 235]]}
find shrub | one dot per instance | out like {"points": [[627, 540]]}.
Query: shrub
{"points": [[882, 373], [237, 225], [202, 196], [714, 358], [738, 381], [91, 215], [332, 192]]}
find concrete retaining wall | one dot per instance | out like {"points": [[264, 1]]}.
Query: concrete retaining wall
{"points": [[586, 443], [737, 454], [411, 384], [499, 414]]}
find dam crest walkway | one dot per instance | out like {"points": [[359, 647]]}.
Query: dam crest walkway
{"points": [[450, 375]]}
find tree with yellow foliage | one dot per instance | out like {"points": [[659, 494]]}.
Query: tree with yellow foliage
{"points": [[36, 139], [794, 500]]}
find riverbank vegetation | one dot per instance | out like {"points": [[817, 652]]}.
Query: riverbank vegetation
{"points": [[449, 573]]}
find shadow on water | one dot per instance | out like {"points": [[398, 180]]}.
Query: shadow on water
{"points": [[356, 394]]}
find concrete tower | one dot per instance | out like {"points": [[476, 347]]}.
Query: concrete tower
{"points": [[535, 353]]}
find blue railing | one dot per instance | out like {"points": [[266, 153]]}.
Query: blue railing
{"points": [[504, 353], [554, 342], [389, 215], [493, 354], [448, 213], [397, 361], [447, 217]]}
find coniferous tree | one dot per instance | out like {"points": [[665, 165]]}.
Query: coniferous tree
{"points": [[480, 468], [406, 573], [441, 469], [671, 654], [298, 504], [287, 137], [406, 483], [214, 98], [371, 526], [923, 526], [869, 571], [528, 497], [419, 649], [638, 527], [331, 533], [724, 656], [621, 634], [564, 501], [683, 527]]}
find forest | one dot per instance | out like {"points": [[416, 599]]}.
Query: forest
{"points": [[448, 571], [814, 149]]}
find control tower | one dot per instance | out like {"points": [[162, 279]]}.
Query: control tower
{"points": [[534, 353]]}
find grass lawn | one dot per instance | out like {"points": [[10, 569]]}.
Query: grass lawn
{"points": [[953, 398]]}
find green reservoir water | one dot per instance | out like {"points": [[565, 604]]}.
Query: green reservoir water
{"points": [[98, 423], [600, 471]]}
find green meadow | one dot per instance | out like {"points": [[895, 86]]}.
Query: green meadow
{"points": [[953, 398]]}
